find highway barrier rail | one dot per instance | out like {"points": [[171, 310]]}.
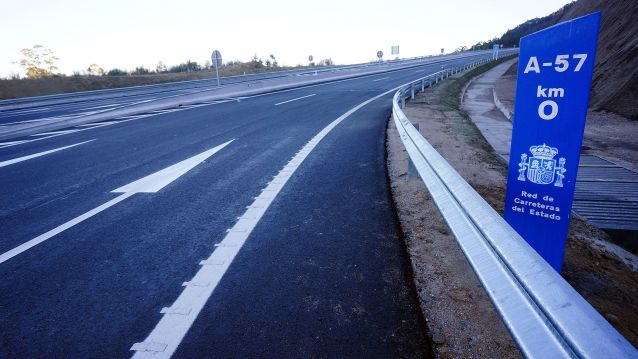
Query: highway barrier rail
{"points": [[545, 316]]}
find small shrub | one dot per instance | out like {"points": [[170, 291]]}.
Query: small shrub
{"points": [[116, 72]]}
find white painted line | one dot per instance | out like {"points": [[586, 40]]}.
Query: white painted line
{"points": [[148, 184], [37, 139], [98, 124], [28, 121], [39, 154], [171, 329], [63, 132], [61, 228], [11, 143], [160, 179], [38, 109], [295, 99], [383, 78], [104, 106]]}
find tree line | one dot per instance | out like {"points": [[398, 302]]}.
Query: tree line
{"points": [[39, 61], [513, 36]]}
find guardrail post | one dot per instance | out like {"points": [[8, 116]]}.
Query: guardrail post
{"points": [[402, 101], [422, 85], [412, 92], [413, 174]]}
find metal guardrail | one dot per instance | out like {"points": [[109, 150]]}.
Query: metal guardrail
{"points": [[546, 317]]}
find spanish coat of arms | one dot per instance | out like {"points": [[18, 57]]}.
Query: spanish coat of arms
{"points": [[541, 168]]}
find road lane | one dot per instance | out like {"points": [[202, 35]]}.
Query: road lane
{"points": [[324, 272], [99, 287], [88, 101], [149, 184]]}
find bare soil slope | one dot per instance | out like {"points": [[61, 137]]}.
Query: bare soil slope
{"points": [[615, 83]]}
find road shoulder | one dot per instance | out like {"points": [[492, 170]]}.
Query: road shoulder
{"points": [[461, 320]]}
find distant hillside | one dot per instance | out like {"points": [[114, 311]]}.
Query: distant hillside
{"points": [[512, 37], [615, 82]]}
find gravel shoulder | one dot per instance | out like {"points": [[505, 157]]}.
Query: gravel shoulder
{"points": [[460, 317]]}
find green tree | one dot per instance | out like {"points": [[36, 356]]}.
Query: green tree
{"points": [[161, 67], [140, 70], [326, 62], [116, 72], [95, 70], [38, 61]]}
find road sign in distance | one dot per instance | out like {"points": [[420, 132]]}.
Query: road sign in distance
{"points": [[395, 50], [379, 54], [310, 58], [216, 58]]}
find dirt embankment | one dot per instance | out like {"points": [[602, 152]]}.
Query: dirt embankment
{"points": [[461, 319], [615, 82]]}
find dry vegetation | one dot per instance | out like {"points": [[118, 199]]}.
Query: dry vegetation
{"points": [[16, 88]]}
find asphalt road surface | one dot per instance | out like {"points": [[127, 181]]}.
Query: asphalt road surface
{"points": [[254, 228]]}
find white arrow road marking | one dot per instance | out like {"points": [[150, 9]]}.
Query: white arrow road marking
{"points": [[177, 319], [158, 180], [25, 158], [295, 99], [148, 184]]}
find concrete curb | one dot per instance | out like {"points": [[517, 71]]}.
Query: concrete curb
{"points": [[506, 112]]}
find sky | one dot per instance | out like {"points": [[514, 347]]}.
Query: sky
{"points": [[128, 33]]}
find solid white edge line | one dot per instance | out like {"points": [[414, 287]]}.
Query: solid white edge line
{"points": [[39, 154], [295, 99], [384, 78], [169, 332]]}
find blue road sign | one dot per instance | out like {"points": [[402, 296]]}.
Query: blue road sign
{"points": [[552, 93]]}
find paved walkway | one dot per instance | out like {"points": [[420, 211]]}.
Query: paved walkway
{"points": [[606, 193], [478, 102]]}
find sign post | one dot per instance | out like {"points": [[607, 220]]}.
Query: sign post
{"points": [[380, 55], [495, 48], [216, 59], [552, 92]]}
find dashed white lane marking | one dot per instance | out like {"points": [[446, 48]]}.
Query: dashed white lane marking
{"points": [[381, 79], [149, 184], [25, 158], [295, 99], [177, 319]]}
